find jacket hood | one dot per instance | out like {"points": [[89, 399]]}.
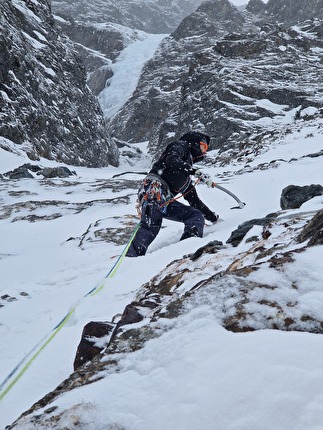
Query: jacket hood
{"points": [[194, 138]]}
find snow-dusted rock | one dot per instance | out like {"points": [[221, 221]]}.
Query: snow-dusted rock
{"points": [[46, 107], [152, 16], [293, 196], [237, 86], [293, 11], [256, 288], [29, 170]]}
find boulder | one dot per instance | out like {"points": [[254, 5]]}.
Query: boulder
{"points": [[27, 170], [239, 233], [23, 172], [56, 172], [94, 339], [293, 196]]}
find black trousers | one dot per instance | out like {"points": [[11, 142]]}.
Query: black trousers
{"points": [[151, 222]]}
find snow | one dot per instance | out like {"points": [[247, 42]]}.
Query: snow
{"points": [[35, 43], [243, 393], [126, 71], [21, 6], [196, 373], [243, 2], [40, 36]]}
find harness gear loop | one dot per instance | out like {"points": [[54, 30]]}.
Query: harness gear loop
{"points": [[153, 190]]}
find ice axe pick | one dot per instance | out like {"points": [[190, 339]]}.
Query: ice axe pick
{"points": [[241, 204]]}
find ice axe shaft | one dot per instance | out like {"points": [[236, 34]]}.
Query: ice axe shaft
{"points": [[241, 204]]}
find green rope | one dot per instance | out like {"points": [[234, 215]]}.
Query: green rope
{"points": [[60, 325], [116, 265], [33, 358]]}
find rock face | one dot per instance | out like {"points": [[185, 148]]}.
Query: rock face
{"points": [[313, 231], [293, 11], [46, 107], [223, 72], [255, 6], [289, 12], [151, 16], [98, 46]]}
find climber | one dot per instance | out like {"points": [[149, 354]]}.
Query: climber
{"points": [[168, 177]]}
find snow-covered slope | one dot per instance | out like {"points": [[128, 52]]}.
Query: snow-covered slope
{"points": [[227, 332], [63, 235]]}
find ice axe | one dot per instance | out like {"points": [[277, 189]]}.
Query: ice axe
{"points": [[241, 204]]}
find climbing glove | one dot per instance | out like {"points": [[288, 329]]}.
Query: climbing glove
{"points": [[205, 178]]}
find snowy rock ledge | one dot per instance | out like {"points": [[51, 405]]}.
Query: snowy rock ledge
{"points": [[260, 283]]}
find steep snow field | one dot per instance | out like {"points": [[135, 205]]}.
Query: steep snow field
{"points": [[266, 379]]}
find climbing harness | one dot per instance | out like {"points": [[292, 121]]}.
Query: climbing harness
{"points": [[153, 190]]}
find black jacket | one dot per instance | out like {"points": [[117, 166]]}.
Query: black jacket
{"points": [[175, 166]]}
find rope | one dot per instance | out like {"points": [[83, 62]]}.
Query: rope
{"points": [[4, 388], [173, 199], [116, 265], [33, 358]]}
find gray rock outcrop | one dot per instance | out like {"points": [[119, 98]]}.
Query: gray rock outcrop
{"points": [[46, 107], [150, 16], [293, 11], [293, 196]]}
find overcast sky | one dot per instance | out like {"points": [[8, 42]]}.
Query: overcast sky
{"points": [[241, 2]]}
